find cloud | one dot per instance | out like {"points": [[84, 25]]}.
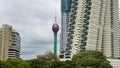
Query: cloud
{"points": [[33, 19]]}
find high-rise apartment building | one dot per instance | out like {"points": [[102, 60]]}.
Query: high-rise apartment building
{"points": [[65, 15], [93, 26], [9, 43]]}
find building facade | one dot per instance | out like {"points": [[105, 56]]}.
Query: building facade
{"points": [[65, 15], [93, 26], [114, 62], [9, 43]]}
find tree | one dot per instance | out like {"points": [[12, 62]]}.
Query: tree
{"points": [[48, 56], [1, 64], [58, 64], [15, 63], [43, 61], [39, 63], [63, 64], [71, 64], [91, 59]]}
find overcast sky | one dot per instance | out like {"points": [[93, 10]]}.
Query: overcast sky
{"points": [[33, 19]]}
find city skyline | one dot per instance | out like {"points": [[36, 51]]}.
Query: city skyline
{"points": [[20, 13], [33, 19]]}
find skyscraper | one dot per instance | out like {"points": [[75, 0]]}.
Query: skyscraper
{"points": [[9, 43], [65, 15], [93, 26]]}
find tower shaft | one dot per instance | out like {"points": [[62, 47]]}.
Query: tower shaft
{"points": [[55, 43]]}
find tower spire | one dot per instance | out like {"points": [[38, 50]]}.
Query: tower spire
{"points": [[55, 16]]}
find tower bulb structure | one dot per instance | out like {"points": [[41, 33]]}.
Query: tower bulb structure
{"points": [[55, 29]]}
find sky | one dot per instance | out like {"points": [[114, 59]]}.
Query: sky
{"points": [[33, 20]]}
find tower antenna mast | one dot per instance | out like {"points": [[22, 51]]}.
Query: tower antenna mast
{"points": [[55, 16]]}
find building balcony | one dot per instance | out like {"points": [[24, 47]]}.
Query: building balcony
{"points": [[85, 27], [86, 16], [86, 11], [89, 8], [70, 33], [69, 39], [71, 28], [86, 22], [68, 48], [85, 32], [74, 12], [89, 2], [73, 17], [82, 47], [84, 37], [68, 44], [75, 2]]}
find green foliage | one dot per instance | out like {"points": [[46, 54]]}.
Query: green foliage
{"points": [[64, 64], [57, 64], [84, 59], [15, 63], [1, 63], [71, 64], [91, 59], [48, 56], [39, 63]]}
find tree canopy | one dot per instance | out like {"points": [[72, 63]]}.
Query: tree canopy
{"points": [[84, 59], [15, 63], [48, 56], [91, 59]]}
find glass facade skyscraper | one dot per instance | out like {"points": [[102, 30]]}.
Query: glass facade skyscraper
{"points": [[65, 15]]}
